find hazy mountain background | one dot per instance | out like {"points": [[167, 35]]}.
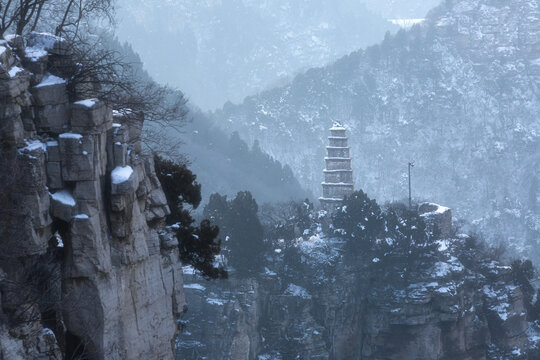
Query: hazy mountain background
{"points": [[401, 9], [224, 50], [222, 162], [458, 94]]}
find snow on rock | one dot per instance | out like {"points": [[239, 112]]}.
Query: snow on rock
{"points": [[194, 286], [87, 103], [502, 310], [33, 145], [64, 197], [49, 80], [81, 216], [43, 41], [121, 174], [406, 23], [434, 209], [188, 270], [14, 71], [214, 301], [442, 269], [34, 54], [295, 290], [70, 135]]}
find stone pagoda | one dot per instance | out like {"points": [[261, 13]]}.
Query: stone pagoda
{"points": [[338, 179]]}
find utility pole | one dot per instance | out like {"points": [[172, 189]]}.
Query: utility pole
{"points": [[411, 164]]}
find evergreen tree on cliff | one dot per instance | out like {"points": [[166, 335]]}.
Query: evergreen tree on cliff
{"points": [[394, 241], [359, 219], [198, 245], [240, 225]]}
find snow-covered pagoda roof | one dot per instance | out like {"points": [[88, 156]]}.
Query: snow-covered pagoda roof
{"points": [[337, 126]]}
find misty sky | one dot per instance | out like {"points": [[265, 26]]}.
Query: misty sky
{"points": [[218, 51]]}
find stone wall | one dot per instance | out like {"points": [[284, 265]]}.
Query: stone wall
{"points": [[82, 212]]}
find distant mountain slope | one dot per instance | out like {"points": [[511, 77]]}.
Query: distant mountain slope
{"points": [[223, 163], [459, 94], [227, 165], [401, 9], [218, 50]]}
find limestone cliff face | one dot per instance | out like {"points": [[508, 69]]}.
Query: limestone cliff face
{"points": [[325, 308], [84, 269]]}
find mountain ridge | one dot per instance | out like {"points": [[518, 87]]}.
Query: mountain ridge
{"points": [[457, 93]]}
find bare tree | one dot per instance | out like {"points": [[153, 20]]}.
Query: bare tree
{"points": [[61, 17]]}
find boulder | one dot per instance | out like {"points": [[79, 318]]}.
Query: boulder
{"points": [[53, 150], [63, 205], [50, 91], [15, 41], [5, 55], [17, 83], [89, 253], [438, 219], [54, 175], [88, 115], [52, 118], [120, 154], [123, 180], [48, 42], [76, 152]]}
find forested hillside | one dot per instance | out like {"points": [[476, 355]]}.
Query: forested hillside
{"points": [[457, 94], [226, 50]]}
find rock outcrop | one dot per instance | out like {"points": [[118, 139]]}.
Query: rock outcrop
{"points": [[320, 306], [84, 269]]}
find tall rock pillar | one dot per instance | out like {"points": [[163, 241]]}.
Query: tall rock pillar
{"points": [[338, 177]]}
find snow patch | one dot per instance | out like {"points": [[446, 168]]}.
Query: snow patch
{"points": [[214, 301], [121, 174], [194, 286], [33, 145], [87, 103], [44, 41], [295, 290], [64, 197], [70, 135], [442, 269], [406, 23], [49, 80], [14, 71], [34, 54]]}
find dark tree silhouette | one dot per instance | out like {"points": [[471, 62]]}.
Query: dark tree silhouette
{"points": [[198, 245], [239, 223], [360, 220]]}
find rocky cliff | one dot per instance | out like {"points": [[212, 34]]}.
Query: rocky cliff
{"points": [[311, 303], [84, 270]]}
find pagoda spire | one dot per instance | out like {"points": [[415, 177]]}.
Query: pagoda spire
{"points": [[338, 174]]}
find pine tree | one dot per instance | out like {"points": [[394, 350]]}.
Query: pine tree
{"points": [[360, 219], [241, 227], [198, 245]]}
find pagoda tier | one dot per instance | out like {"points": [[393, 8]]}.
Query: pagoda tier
{"points": [[338, 175]]}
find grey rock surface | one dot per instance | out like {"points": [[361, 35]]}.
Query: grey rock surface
{"points": [[106, 283]]}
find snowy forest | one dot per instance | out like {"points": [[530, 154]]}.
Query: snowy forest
{"points": [[270, 179]]}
